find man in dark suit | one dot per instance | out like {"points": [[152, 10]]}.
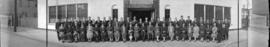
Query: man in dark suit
{"points": [[184, 32], [227, 26], [188, 21], [182, 21], [76, 33], [97, 31], [164, 31], [83, 27], [220, 31], [98, 22], [145, 28], [177, 31], [143, 32], [58, 24], [202, 31], [208, 30], [66, 31], [109, 29], [70, 30]]}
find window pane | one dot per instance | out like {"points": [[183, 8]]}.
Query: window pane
{"points": [[199, 11], [71, 11], [115, 12], [82, 10], [209, 12], [61, 12], [219, 13], [227, 13], [141, 1], [167, 14], [52, 14]]}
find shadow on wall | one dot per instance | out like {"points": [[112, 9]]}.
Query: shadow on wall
{"points": [[7, 7], [260, 7], [28, 22]]}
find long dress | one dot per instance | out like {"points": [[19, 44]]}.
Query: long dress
{"points": [[136, 32], [130, 33], [214, 30], [190, 31], [110, 32], [116, 33], [157, 31], [196, 30], [124, 34], [89, 32], [171, 31]]}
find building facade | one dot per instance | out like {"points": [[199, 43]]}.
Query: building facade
{"points": [[26, 11], [154, 9]]}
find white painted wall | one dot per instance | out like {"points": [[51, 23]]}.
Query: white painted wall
{"points": [[26, 10], [260, 7], [42, 14], [64, 2], [186, 8], [103, 8], [7, 7], [96, 8], [60, 2]]}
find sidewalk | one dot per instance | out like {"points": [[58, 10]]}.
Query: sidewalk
{"points": [[35, 35], [39, 34]]}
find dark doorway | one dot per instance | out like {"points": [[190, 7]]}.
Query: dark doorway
{"points": [[141, 14]]}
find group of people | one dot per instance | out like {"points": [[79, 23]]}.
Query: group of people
{"points": [[132, 29]]}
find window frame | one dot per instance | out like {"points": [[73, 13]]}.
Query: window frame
{"points": [[65, 12], [204, 15]]}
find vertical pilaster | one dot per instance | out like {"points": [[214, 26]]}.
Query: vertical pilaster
{"points": [[214, 13], [76, 10], [204, 13], [156, 7]]}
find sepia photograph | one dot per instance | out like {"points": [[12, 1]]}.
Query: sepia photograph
{"points": [[134, 23]]}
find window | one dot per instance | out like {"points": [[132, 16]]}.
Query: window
{"points": [[199, 12], [167, 14], [227, 13], [82, 10], [219, 13], [61, 12], [71, 11], [209, 13], [52, 14], [67, 12], [115, 13]]}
